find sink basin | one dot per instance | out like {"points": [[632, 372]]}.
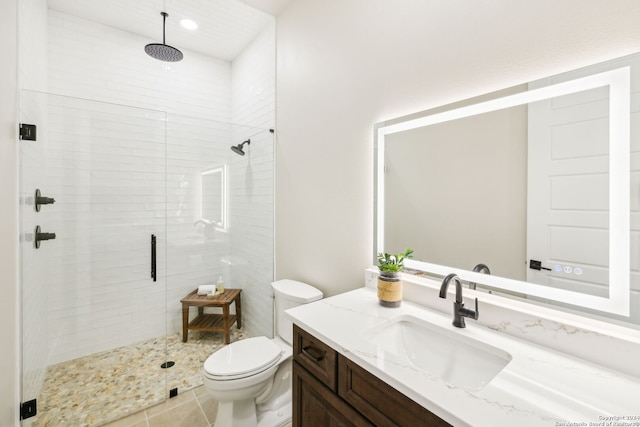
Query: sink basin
{"points": [[458, 360]]}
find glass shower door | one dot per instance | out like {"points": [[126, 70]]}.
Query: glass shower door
{"points": [[93, 276]]}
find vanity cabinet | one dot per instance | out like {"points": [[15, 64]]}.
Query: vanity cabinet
{"points": [[314, 405], [331, 390]]}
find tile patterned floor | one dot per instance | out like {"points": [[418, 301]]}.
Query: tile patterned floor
{"points": [[192, 409], [93, 390]]}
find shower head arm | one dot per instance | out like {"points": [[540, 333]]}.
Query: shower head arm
{"points": [[164, 26]]}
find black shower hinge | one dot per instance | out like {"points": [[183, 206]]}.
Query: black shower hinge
{"points": [[27, 132], [173, 392], [28, 409]]}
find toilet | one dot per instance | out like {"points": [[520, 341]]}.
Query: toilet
{"points": [[251, 378]]}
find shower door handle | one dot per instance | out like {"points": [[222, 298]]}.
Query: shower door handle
{"points": [[153, 257]]}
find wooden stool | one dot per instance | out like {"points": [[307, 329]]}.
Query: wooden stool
{"points": [[211, 322]]}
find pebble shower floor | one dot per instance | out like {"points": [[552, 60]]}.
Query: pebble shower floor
{"points": [[103, 387]]}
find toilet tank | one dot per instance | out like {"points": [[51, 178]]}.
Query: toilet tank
{"points": [[288, 294]]}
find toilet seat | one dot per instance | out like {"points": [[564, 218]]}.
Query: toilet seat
{"points": [[242, 359]]}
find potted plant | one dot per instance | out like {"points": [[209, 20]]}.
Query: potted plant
{"points": [[389, 283]]}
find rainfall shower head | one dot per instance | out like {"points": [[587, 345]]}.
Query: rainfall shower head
{"points": [[238, 148], [163, 51]]}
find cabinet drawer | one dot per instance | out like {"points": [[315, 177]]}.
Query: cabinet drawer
{"points": [[315, 356], [380, 403]]}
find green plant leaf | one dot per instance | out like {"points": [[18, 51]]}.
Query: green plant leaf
{"points": [[393, 263]]}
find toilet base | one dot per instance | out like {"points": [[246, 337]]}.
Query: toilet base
{"points": [[239, 413], [274, 395], [276, 418], [243, 414]]}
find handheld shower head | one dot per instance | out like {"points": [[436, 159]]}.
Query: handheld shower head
{"points": [[238, 148]]}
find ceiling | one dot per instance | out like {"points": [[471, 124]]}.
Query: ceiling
{"points": [[272, 7], [225, 27]]}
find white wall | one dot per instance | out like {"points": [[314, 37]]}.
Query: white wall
{"points": [[345, 65], [9, 397]]}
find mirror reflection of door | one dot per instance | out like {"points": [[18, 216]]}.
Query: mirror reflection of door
{"points": [[573, 206], [214, 196], [568, 194]]}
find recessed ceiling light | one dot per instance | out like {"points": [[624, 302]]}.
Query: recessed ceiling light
{"points": [[189, 24]]}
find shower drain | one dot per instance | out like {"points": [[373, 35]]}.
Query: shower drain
{"points": [[168, 364]]}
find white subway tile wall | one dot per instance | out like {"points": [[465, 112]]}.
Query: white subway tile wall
{"points": [[194, 250], [93, 61], [105, 165], [253, 82], [252, 180]]}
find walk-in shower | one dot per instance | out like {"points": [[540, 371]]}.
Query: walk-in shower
{"points": [[131, 148], [101, 307]]}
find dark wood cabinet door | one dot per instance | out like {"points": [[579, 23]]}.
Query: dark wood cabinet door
{"points": [[382, 404], [314, 405]]}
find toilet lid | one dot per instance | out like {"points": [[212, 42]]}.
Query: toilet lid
{"points": [[243, 358]]}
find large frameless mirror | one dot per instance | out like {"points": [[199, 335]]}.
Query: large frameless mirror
{"points": [[538, 182]]}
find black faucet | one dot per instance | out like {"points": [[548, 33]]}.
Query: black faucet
{"points": [[479, 268], [459, 311]]}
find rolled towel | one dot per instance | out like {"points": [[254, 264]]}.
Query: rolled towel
{"points": [[206, 289]]}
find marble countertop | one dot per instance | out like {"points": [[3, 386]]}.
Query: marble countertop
{"points": [[538, 387]]}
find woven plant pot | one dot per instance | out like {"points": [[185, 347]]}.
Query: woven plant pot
{"points": [[389, 289]]}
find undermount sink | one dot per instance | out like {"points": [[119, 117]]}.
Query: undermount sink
{"points": [[458, 360]]}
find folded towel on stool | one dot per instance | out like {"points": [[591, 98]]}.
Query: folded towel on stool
{"points": [[206, 289]]}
